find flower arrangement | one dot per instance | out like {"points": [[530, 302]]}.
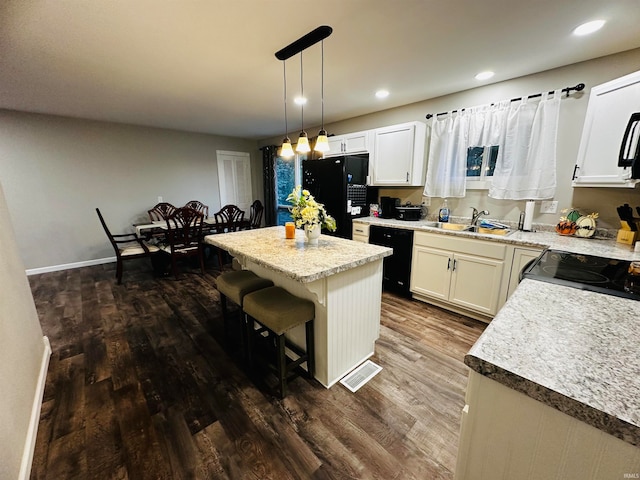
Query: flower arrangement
{"points": [[306, 212]]}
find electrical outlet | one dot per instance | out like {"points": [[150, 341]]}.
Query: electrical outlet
{"points": [[159, 199], [549, 207], [426, 201]]}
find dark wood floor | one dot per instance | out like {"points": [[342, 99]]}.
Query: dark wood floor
{"points": [[140, 385]]}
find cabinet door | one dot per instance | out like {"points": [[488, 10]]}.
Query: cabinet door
{"points": [[393, 155], [431, 272], [610, 107], [357, 142], [475, 283]]}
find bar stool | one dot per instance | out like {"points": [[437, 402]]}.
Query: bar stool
{"points": [[234, 286], [277, 311]]}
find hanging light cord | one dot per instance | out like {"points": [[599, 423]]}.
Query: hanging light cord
{"points": [[286, 127], [322, 82], [301, 94]]}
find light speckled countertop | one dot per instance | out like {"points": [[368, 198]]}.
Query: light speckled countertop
{"points": [[603, 247], [574, 350], [294, 258]]}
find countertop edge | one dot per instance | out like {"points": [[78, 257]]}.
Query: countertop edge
{"points": [[574, 408]]}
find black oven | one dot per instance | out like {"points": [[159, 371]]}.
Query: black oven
{"points": [[586, 272]]}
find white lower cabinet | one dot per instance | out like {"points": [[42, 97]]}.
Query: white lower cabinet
{"points": [[458, 272], [506, 434]]}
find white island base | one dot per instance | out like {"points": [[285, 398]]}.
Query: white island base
{"points": [[347, 322]]}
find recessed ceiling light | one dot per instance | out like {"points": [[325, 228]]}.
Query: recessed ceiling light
{"points": [[300, 100], [589, 27], [485, 75], [382, 93]]}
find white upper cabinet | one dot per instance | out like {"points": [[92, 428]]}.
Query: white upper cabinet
{"points": [[610, 108], [398, 155], [358, 142]]}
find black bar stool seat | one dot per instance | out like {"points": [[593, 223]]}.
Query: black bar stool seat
{"points": [[277, 311]]}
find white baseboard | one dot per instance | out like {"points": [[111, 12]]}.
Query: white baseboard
{"points": [[30, 443], [67, 266]]}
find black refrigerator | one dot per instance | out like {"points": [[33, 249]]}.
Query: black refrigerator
{"points": [[340, 184]]}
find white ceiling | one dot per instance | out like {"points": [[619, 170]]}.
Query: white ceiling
{"points": [[209, 65]]}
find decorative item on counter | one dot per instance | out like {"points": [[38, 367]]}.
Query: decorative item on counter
{"points": [[309, 214], [567, 226], [289, 230], [443, 213], [374, 210], [586, 225]]}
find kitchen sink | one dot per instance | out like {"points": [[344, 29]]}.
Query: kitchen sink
{"points": [[465, 227]]}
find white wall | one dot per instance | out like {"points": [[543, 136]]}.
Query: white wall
{"points": [[57, 170], [572, 113], [24, 356]]}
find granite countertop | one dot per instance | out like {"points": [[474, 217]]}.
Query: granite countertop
{"points": [[574, 350], [599, 246], [571, 349], [294, 258]]}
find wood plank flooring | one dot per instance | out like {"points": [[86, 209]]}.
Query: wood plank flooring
{"points": [[142, 386]]}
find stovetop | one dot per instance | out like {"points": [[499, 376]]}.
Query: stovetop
{"points": [[586, 272]]}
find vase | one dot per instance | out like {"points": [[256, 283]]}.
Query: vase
{"points": [[312, 234]]}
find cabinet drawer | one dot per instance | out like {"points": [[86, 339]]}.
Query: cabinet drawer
{"points": [[361, 229], [463, 245]]}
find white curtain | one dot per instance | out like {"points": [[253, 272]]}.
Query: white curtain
{"points": [[526, 168], [525, 133], [447, 169]]}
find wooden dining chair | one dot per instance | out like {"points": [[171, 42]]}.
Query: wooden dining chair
{"points": [[184, 237], [127, 246], [229, 218], [161, 211], [198, 207], [255, 214]]}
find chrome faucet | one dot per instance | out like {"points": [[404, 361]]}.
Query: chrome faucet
{"points": [[476, 215]]}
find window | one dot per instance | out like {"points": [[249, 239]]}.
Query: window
{"points": [[288, 175], [481, 163]]}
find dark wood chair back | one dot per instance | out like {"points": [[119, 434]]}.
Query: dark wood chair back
{"points": [[255, 214], [198, 207], [184, 236], [161, 211], [229, 219], [126, 246]]}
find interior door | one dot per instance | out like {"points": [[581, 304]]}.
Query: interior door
{"points": [[234, 179]]}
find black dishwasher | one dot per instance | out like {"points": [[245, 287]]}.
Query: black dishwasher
{"points": [[397, 267]]}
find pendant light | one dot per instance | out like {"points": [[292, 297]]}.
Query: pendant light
{"points": [[303, 140], [322, 142], [286, 151]]}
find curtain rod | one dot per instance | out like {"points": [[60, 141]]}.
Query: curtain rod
{"points": [[578, 88]]}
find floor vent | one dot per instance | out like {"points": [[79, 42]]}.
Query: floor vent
{"points": [[361, 375]]}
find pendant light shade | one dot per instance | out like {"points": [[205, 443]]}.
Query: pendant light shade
{"points": [[303, 143], [322, 142], [286, 151]]}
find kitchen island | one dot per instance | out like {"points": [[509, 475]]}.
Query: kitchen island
{"points": [[342, 277]]}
